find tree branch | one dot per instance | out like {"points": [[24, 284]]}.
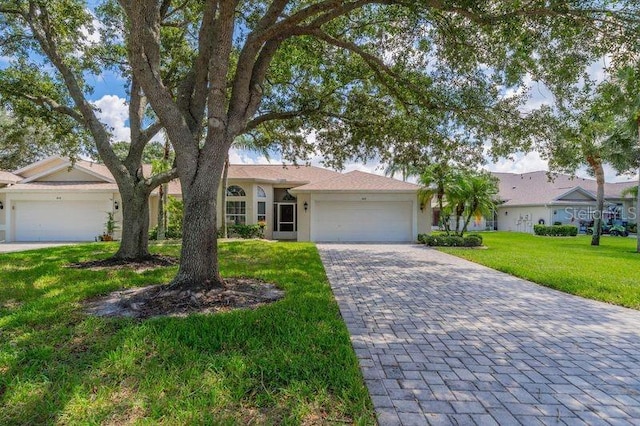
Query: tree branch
{"points": [[376, 65], [161, 178], [53, 105], [38, 20], [272, 116], [147, 134]]}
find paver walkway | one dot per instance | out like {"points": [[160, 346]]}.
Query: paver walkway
{"points": [[13, 247], [445, 341]]}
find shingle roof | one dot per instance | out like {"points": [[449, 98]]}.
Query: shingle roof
{"points": [[280, 173], [8, 177], [535, 188], [359, 181], [102, 170], [64, 186]]}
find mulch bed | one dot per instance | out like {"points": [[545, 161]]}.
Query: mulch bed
{"points": [[156, 300], [149, 263]]}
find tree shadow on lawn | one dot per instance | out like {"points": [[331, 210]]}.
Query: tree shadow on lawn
{"points": [[290, 361]]}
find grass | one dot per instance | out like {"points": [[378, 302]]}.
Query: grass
{"points": [[609, 273], [287, 363]]}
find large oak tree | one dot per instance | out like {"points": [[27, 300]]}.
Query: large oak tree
{"points": [[52, 59], [352, 74]]}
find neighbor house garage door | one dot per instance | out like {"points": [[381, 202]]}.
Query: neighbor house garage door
{"points": [[59, 221], [363, 221]]}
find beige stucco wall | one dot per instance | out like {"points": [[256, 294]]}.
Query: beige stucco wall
{"points": [[72, 175], [304, 217], [522, 218]]}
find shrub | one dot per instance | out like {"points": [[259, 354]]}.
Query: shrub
{"points": [[170, 234], [556, 230], [439, 240], [633, 228], [175, 213], [477, 236], [246, 231], [472, 241]]}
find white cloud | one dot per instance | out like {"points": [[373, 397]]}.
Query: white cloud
{"points": [[238, 156], [372, 167], [610, 175], [114, 112], [520, 163], [91, 33]]}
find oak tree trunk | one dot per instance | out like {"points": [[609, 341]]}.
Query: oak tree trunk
{"points": [[134, 244], [199, 256]]}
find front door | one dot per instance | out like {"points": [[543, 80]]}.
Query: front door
{"points": [[285, 221]]}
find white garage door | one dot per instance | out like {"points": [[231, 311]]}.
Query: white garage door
{"points": [[59, 220], [363, 221]]}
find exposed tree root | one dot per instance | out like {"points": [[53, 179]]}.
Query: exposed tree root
{"points": [[153, 301]]}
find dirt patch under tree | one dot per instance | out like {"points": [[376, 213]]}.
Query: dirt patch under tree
{"points": [[156, 300], [162, 300]]}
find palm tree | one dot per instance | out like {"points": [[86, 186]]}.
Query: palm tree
{"points": [[245, 143], [407, 170], [632, 191], [623, 96], [457, 195], [159, 166], [481, 198], [435, 181]]}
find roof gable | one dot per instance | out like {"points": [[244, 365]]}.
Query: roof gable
{"points": [[8, 177], [68, 172], [359, 181], [41, 166], [576, 194]]}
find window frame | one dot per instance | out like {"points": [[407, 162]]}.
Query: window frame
{"points": [[241, 192], [238, 213]]}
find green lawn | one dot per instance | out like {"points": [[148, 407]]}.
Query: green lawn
{"points": [[610, 272], [287, 363]]}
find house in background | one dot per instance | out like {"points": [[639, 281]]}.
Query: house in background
{"points": [[55, 200], [532, 198]]}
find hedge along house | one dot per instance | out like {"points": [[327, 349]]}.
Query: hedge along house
{"points": [[531, 198], [55, 200]]}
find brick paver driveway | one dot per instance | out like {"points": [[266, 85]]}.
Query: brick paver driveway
{"points": [[445, 341]]}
